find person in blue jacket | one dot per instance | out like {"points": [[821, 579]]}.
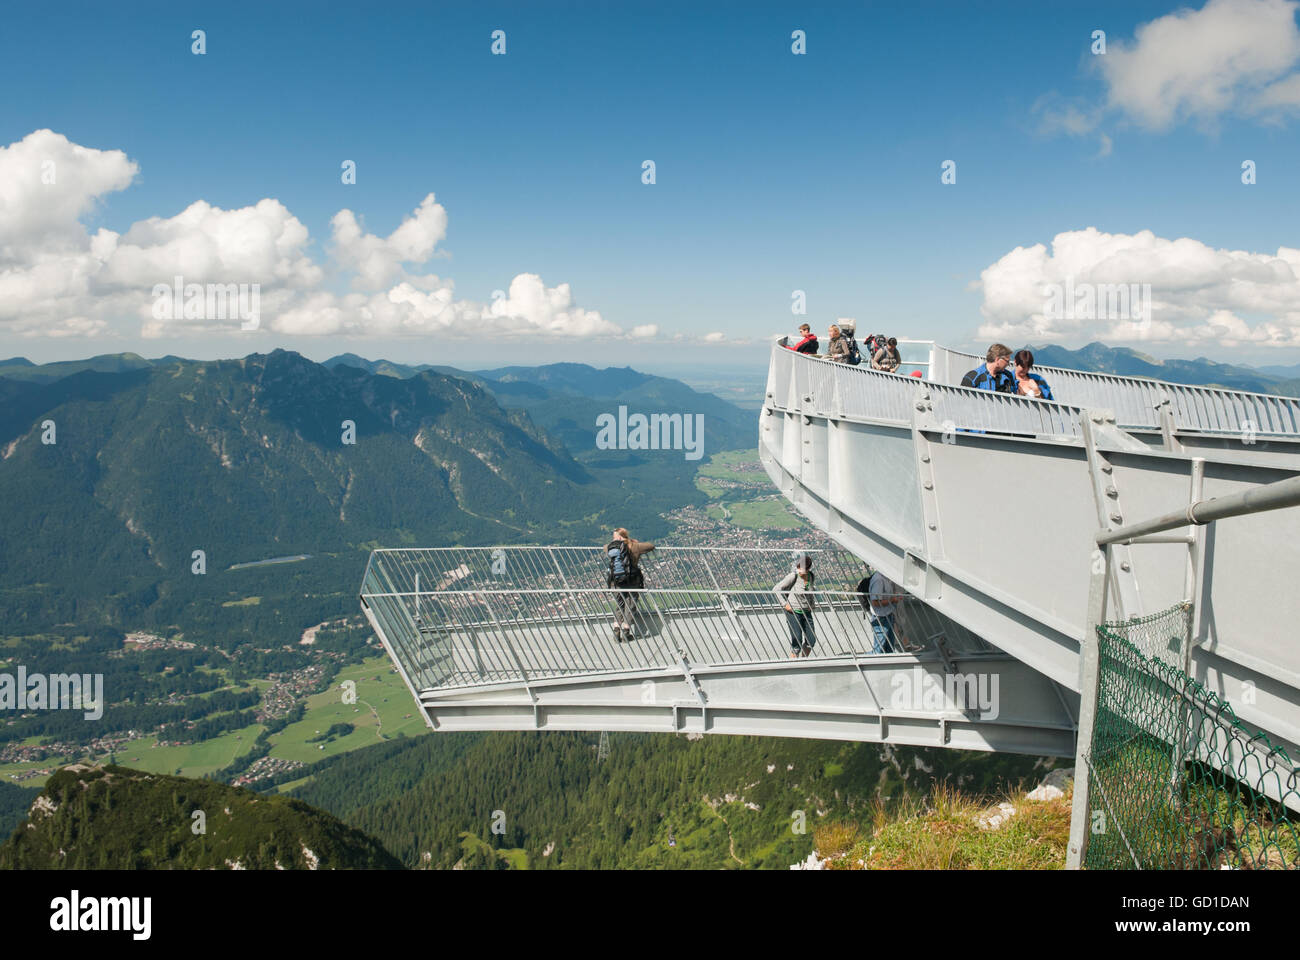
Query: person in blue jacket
{"points": [[992, 374], [1028, 383]]}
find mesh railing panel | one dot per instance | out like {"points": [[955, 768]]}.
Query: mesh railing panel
{"points": [[485, 615], [1176, 781]]}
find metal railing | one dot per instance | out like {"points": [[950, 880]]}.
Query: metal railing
{"points": [[858, 393], [453, 623], [1137, 401]]}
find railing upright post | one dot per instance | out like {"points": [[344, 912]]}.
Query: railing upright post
{"points": [[1192, 592], [1080, 815]]}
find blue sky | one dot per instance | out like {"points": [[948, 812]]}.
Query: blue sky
{"points": [[774, 172]]}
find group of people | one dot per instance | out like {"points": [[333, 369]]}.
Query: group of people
{"points": [[842, 346], [880, 597], [1001, 372]]}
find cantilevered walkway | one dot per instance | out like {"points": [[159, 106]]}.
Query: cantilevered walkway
{"points": [[521, 638], [988, 507]]}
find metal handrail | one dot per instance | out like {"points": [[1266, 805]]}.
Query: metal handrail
{"points": [[874, 396], [1137, 401], [1138, 404], [1271, 496], [471, 632]]}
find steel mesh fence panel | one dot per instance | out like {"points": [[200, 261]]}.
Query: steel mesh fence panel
{"points": [[1176, 781]]}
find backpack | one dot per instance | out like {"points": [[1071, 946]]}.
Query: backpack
{"points": [[623, 570], [863, 590], [854, 356]]}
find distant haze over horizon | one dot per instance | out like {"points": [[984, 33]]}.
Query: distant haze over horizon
{"points": [[648, 357]]}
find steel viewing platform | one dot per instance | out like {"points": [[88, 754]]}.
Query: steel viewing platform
{"points": [[992, 509]]}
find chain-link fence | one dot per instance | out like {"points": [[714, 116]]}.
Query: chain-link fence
{"points": [[1176, 782]]}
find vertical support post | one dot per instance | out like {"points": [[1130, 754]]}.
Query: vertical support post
{"points": [[1101, 471], [1080, 819], [1197, 566], [1168, 428], [1191, 633]]}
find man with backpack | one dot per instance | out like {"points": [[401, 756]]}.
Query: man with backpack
{"points": [[847, 329], [624, 576]]}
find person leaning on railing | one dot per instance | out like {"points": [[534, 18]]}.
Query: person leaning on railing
{"points": [[625, 572], [887, 357], [838, 347], [1028, 383], [796, 594], [992, 374], [807, 342]]}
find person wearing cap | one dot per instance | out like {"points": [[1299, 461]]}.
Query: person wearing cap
{"points": [[796, 594]]}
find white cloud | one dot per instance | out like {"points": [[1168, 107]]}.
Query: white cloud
{"points": [[714, 337], [57, 279], [1229, 57], [1197, 293], [48, 259], [377, 261], [258, 244], [646, 331], [1201, 64], [530, 306], [36, 214]]}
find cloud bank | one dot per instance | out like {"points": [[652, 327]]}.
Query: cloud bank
{"points": [[1197, 293], [59, 279]]}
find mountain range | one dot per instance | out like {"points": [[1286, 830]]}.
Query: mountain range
{"points": [[566, 398], [1126, 362], [114, 471]]}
